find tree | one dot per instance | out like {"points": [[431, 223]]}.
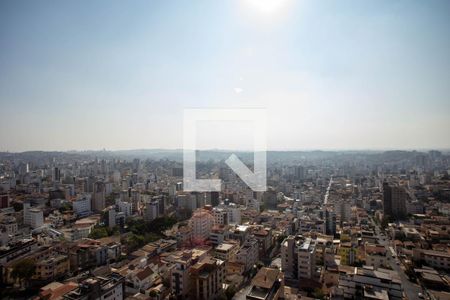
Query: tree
{"points": [[385, 222], [318, 293], [230, 291], [281, 238], [262, 207], [98, 233], [221, 296], [18, 206], [23, 270], [134, 241], [65, 207], [153, 293]]}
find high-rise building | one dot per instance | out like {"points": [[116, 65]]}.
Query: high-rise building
{"points": [[298, 257], [307, 259], [161, 199], [270, 199], [201, 223], [330, 222], [82, 205], [56, 176], [394, 200], [36, 217], [151, 211], [4, 200], [206, 278], [213, 198], [98, 199], [299, 173], [248, 254], [180, 276]]}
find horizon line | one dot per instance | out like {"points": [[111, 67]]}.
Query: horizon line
{"points": [[418, 149]]}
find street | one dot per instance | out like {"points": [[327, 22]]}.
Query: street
{"points": [[411, 289]]}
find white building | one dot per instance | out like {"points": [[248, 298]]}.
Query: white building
{"points": [[201, 223], [248, 254], [307, 259], [220, 216], [344, 210], [298, 257], [384, 284], [226, 251], [253, 204], [36, 217], [26, 213], [151, 211], [234, 214], [227, 214], [125, 207], [82, 205]]}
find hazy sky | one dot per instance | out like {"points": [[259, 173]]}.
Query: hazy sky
{"points": [[118, 74]]}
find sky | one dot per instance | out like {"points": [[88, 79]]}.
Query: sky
{"points": [[78, 75]]}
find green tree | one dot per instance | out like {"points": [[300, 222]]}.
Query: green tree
{"points": [[385, 222], [230, 291], [318, 294], [262, 207], [221, 296], [98, 232], [153, 293], [281, 238], [18, 206], [134, 241], [23, 270], [65, 207]]}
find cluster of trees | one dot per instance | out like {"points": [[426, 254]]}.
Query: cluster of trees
{"points": [[228, 294], [386, 220], [141, 233], [65, 207], [138, 226], [99, 232], [23, 270]]}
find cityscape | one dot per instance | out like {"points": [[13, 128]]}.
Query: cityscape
{"points": [[225, 150], [331, 225]]}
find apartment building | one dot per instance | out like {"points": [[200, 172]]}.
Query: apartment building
{"points": [[248, 254], [206, 278], [201, 223], [268, 284], [307, 259], [226, 251], [347, 254], [109, 287], [376, 256], [298, 257], [435, 259]]}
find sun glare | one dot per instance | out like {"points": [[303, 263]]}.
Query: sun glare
{"points": [[267, 6]]}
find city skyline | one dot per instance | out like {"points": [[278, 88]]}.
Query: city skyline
{"points": [[224, 150], [118, 76]]}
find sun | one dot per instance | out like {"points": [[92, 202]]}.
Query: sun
{"points": [[267, 6]]}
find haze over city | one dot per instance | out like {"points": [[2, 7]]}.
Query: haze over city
{"points": [[225, 150]]}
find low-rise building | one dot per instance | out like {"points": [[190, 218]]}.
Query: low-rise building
{"points": [[435, 259], [362, 283], [110, 287], [268, 284], [226, 251]]}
